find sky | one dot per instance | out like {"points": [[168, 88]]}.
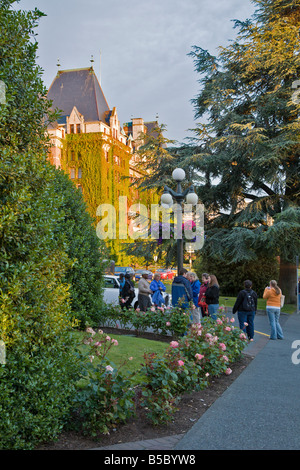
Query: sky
{"points": [[140, 50]]}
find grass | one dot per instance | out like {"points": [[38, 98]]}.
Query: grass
{"points": [[261, 304], [130, 346]]}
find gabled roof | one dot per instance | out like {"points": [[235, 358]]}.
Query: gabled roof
{"points": [[80, 88]]}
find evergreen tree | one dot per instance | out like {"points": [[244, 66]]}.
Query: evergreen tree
{"points": [[84, 248], [248, 149], [157, 158]]}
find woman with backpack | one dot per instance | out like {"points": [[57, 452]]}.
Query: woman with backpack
{"points": [[273, 294], [246, 306]]}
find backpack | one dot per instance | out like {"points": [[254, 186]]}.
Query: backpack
{"points": [[248, 304]]}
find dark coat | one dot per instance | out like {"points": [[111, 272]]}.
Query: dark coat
{"points": [[240, 298], [212, 295]]}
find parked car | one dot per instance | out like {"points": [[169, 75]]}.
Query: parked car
{"points": [[123, 270], [165, 273], [138, 274], [112, 292]]}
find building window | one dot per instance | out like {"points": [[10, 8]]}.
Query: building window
{"points": [[72, 173], [78, 128], [79, 173], [71, 128]]}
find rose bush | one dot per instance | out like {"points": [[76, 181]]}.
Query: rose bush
{"points": [[161, 320], [106, 396], [202, 351], [206, 350]]}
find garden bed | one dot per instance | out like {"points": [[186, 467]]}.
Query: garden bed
{"points": [[190, 408]]}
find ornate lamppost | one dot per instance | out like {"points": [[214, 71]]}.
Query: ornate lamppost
{"points": [[189, 196]]}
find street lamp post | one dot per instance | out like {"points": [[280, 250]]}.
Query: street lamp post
{"points": [[167, 199]]}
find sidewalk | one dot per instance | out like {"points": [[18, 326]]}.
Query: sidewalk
{"points": [[260, 410]]}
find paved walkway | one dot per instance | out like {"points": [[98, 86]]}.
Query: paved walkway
{"points": [[259, 411]]}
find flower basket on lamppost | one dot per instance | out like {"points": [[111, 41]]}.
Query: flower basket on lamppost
{"points": [[190, 197]]}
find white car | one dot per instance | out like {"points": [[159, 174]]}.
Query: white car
{"points": [[112, 291]]}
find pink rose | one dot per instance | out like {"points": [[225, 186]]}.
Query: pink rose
{"points": [[228, 371], [174, 344], [222, 346], [199, 356], [180, 363]]}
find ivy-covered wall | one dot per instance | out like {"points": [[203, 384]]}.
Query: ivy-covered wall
{"points": [[99, 166]]}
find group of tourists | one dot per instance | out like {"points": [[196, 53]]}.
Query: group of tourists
{"points": [[148, 294], [202, 298], [205, 301]]}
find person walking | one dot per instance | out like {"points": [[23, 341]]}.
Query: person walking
{"points": [[201, 299], [246, 306], [272, 294], [157, 288], [212, 296], [195, 285], [144, 292]]}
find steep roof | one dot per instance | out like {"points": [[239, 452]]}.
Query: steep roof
{"points": [[79, 88]]}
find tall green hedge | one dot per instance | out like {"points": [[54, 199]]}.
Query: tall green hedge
{"points": [[86, 251], [37, 380]]}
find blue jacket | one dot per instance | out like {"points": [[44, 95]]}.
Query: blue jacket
{"points": [[157, 287], [181, 291], [196, 289]]}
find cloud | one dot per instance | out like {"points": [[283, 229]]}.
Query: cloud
{"points": [[144, 45]]}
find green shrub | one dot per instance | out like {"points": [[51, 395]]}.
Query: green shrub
{"points": [[84, 248], [231, 276], [162, 320], [37, 381], [205, 351], [106, 396]]}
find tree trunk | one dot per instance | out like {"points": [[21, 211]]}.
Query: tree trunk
{"points": [[287, 281]]}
